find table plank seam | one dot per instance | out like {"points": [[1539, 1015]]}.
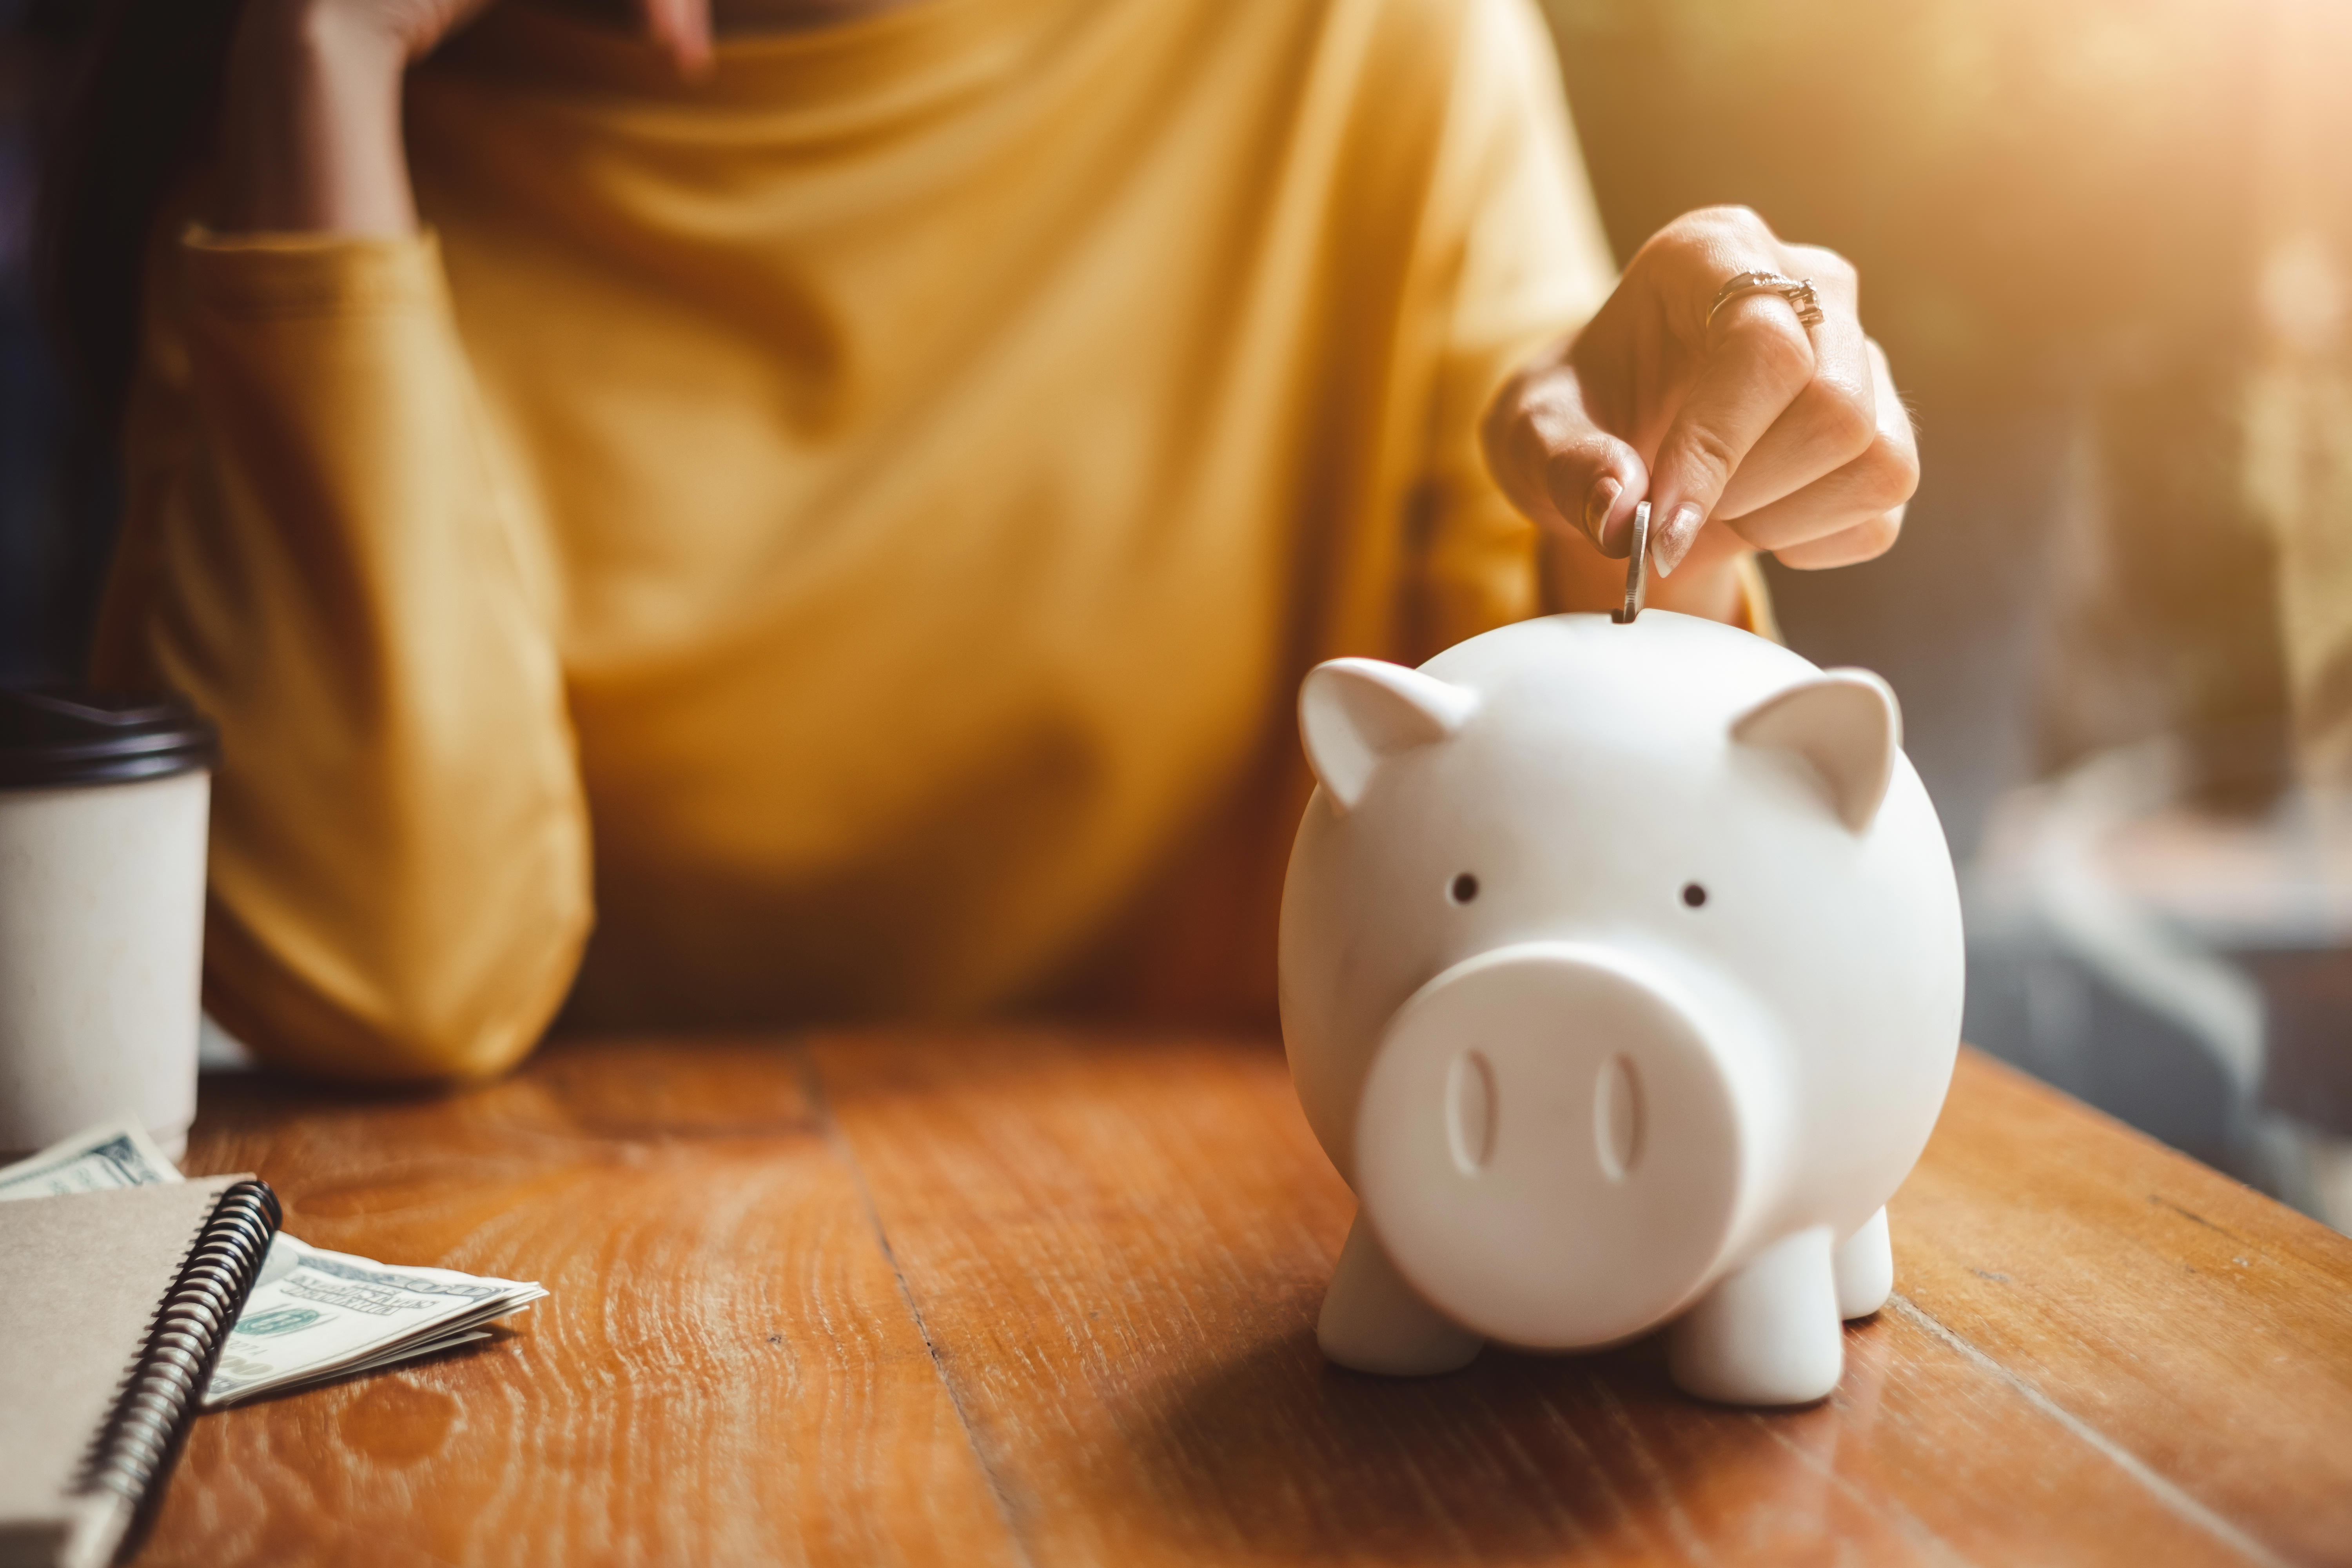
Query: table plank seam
{"points": [[2164, 1491], [813, 1084]]}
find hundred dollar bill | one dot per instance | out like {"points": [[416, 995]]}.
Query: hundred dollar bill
{"points": [[118, 1154], [313, 1315], [316, 1314]]}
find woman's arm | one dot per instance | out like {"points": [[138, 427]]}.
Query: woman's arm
{"points": [[320, 548], [310, 134], [310, 137], [1789, 438]]}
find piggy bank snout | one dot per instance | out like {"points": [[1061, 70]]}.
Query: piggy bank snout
{"points": [[1553, 1146]]}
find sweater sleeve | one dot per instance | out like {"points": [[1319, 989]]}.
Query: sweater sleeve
{"points": [[317, 552], [1529, 265]]}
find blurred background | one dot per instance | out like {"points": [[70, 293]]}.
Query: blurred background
{"points": [[2103, 242]]}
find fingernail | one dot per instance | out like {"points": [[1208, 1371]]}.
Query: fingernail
{"points": [[689, 43], [1675, 542], [1597, 508]]}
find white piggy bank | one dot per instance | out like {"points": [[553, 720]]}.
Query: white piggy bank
{"points": [[1621, 978]]}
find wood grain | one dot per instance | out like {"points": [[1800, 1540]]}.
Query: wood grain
{"points": [[726, 1371], [1118, 1255], [1046, 1296], [2196, 1321]]}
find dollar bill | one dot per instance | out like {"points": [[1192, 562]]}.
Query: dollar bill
{"points": [[313, 1315], [316, 1314], [118, 1154]]}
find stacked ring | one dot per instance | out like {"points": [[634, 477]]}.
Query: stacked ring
{"points": [[1798, 291]]}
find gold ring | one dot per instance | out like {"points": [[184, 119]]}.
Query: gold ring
{"points": [[1798, 291]]}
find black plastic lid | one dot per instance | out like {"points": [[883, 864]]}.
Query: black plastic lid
{"points": [[52, 735]]}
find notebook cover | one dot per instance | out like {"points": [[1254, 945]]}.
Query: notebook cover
{"points": [[81, 1278]]}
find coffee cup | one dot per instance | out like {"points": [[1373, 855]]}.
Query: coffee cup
{"points": [[104, 801]]}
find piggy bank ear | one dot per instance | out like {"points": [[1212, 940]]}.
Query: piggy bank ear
{"points": [[1845, 724], [1356, 714]]}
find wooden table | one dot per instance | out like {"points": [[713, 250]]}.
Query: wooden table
{"points": [[1038, 1298]]}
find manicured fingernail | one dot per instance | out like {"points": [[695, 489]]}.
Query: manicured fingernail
{"points": [[1597, 508], [1675, 540]]}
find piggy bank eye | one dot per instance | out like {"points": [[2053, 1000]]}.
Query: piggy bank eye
{"points": [[1464, 888], [1693, 894]]}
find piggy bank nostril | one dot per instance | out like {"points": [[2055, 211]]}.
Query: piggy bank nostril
{"points": [[1470, 1110], [1617, 1118]]}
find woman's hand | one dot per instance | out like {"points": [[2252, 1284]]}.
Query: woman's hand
{"points": [[311, 130], [1752, 425]]}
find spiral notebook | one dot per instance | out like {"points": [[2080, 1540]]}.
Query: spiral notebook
{"points": [[113, 1306]]}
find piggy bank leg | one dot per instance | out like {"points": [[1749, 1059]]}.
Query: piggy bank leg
{"points": [[1866, 1269], [1373, 1321], [1769, 1333]]}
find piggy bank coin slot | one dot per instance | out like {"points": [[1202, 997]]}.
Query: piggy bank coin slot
{"points": [[1470, 1110], [1617, 1118]]}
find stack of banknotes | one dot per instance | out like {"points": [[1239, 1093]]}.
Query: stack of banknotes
{"points": [[313, 1315]]}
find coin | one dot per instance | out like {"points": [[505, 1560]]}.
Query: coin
{"points": [[1637, 567]]}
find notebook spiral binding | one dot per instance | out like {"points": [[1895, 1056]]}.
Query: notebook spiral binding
{"points": [[166, 1382]]}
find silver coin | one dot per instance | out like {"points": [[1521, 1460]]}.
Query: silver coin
{"points": [[1637, 567]]}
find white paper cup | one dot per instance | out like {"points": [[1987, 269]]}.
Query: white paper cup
{"points": [[103, 808]]}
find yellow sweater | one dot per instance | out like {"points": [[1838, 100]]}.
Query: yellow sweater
{"points": [[856, 523]]}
